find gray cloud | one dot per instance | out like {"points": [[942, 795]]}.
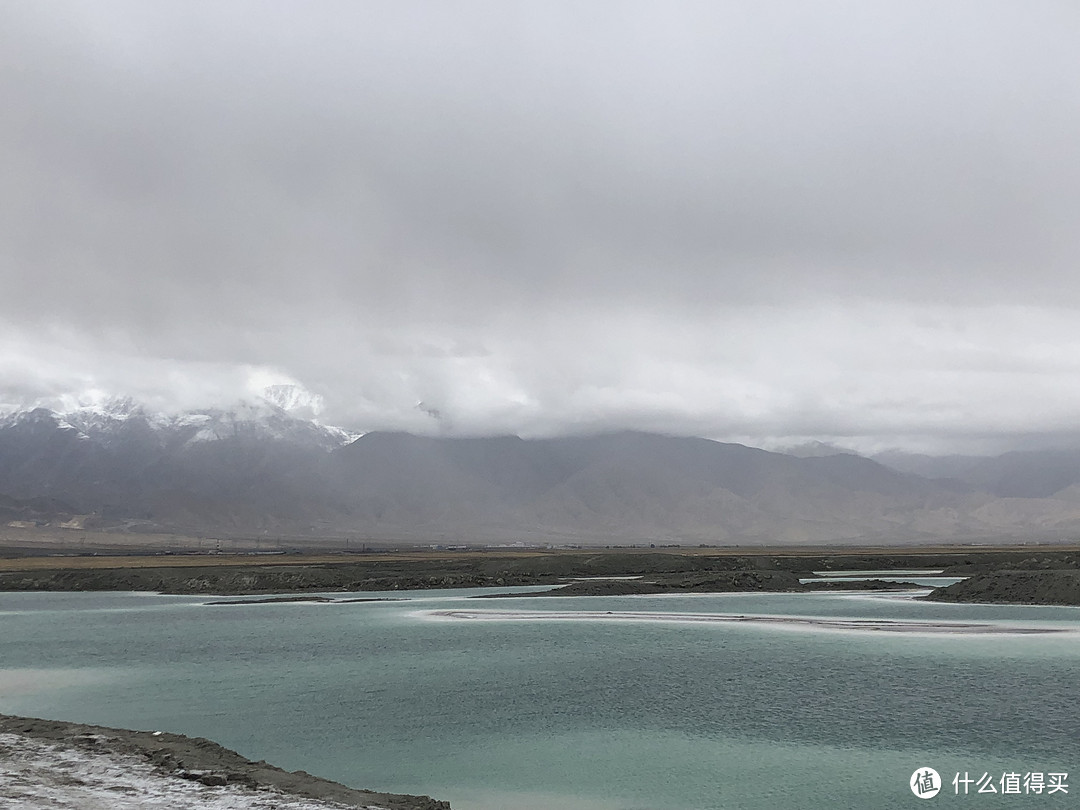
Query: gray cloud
{"points": [[827, 220]]}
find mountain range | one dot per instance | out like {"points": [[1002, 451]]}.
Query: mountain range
{"points": [[270, 468]]}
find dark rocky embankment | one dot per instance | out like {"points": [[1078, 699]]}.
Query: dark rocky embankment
{"points": [[679, 571], [658, 572], [1022, 579], [201, 760], [725, 582], [1018, 587], [358, 574]]}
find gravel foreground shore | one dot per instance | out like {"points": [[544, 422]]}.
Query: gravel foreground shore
{"points": [[53, 764]]}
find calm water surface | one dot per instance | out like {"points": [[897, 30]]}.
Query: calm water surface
{"points": [[581, 715]]}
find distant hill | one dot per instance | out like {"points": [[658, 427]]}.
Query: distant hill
{"points": [[624, 485], [1020, 474], [270, 468]]}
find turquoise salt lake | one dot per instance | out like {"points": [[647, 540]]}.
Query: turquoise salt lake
{"points": [[596, 703]]}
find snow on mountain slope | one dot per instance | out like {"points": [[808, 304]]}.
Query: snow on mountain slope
{"points": [[285, 413], [294, 400]]}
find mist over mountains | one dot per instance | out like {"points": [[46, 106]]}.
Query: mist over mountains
{"points": [[270, 468]]}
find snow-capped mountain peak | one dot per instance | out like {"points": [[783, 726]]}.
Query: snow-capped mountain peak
{"points": [[295, 400], [284, 415]]}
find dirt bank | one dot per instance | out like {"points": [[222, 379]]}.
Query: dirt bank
{"points": [[772, 571], [725, 582], [1033, 587]]}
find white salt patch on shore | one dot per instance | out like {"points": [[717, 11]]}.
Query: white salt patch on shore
{"points": [[38, 775], [786, 622]]}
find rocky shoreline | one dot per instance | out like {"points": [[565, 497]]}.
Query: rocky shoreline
{"points": [[1014, 587], [582, 573], [41, 759], [464, 570], [569, 575], [734, 582]]}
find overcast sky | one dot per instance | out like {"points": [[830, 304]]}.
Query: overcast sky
{"points": [[855, 222]]}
